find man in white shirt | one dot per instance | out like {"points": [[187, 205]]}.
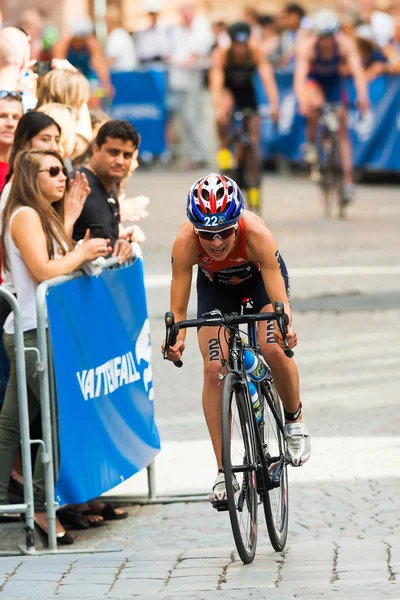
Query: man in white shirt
{"points": [[153, 44], [192, 42], [119, 48]]}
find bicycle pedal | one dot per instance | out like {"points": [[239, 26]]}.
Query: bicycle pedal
{"points": [[221, 506]]}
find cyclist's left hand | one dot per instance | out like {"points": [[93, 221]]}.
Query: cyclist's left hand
{"points": [[291, 336]]}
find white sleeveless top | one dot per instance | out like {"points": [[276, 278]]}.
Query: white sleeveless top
{"points": [[6, 275], [24, 282]]}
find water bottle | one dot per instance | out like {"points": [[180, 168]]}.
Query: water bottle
{"points": [[255, 401], [253, 365]]}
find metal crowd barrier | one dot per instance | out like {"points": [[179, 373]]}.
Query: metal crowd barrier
{"points": [[49, 443], [27, 508]]}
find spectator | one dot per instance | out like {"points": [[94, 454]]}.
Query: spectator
{"points": [[269, 43], [392, 50], [113, 152], [35, 131], [382, 24], [153, 44], [374, 61], [15, 68], [10, 113], [252, 17], [35, 247], [69, 87], [32, 23], [14, 58], [65, 116], [221, 35], [191, 44], [119, 48], [290, 23], [82, 49]]}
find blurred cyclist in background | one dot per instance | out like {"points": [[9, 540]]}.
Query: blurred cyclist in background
{"points": [[320, 54], [232, 87]]}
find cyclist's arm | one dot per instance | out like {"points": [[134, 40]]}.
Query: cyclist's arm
{"points": [[263, 249], [182, 267], [217, 77], [356, 69], [302, 69], [267, 77]]}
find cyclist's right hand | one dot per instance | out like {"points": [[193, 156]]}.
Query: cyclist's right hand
{"points": [[175, 352]]}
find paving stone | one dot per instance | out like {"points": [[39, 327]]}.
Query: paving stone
{"points": [[182, 584], [83, 590], [137, 586], [35, 589]]}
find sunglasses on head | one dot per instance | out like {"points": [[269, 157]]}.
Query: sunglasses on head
{"points": [[10, 94], [54, 171], [206, 234]]}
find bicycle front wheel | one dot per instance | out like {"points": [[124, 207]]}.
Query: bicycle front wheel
{"points": [[239, 464], [275, 500]]}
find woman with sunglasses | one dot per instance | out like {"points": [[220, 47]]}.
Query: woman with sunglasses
{"points": [[237, 257], [35, 247], [36, 130]]}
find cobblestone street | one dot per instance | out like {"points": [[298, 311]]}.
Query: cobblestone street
{"points": [[344, 528]]}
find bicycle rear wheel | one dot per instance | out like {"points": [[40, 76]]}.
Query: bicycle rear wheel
{"points": [[275, 500], [239, 458], [252, 177]]}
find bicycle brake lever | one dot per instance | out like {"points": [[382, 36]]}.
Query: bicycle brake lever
{"points": [[171, 335], [283, 321]]}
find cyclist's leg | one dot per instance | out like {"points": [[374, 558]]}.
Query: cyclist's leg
{"points": [[224, 117], [346, 157], [346, 154], [212, 296], [314, 101], [212, 388], [255, 163], [286, 376]]}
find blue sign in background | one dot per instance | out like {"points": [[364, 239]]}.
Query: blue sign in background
{"points": [[140, 98], [102, 358]]}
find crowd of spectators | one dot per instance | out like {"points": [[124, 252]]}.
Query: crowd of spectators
{"points": [[63, 173]]}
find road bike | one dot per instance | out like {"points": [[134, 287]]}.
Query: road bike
{"points": [[247, 170], [328, 170], [253, 453]]}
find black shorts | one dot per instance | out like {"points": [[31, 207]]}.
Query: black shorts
{"points": [[228, 298], [244, 98]]}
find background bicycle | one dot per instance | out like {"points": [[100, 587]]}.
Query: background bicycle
{"points": [[243, 164]]}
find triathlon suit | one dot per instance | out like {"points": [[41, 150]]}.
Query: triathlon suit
{"points": [[239, 79], [325, 74], [224, 284]]}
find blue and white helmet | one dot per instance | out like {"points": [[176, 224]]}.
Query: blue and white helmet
{"points": [[325, 22], [214, 201]]}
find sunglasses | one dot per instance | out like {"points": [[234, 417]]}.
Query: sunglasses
{"points": [[54, 171], [10, 94], [205, 234]]}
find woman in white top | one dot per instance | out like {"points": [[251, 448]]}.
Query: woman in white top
{"points": [[35, 247]]}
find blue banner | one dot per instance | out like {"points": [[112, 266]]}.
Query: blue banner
{"points": [[140, 98], [102, 356], [375, 137]]}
